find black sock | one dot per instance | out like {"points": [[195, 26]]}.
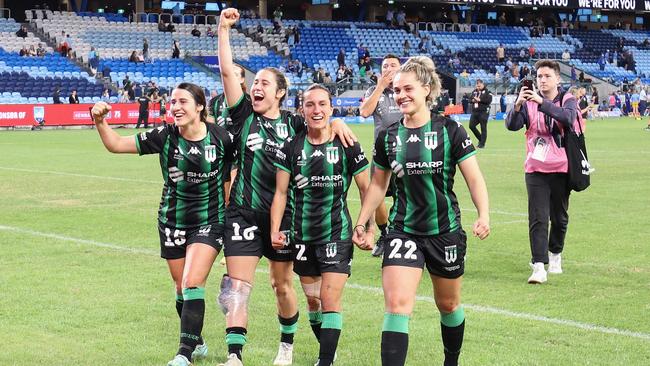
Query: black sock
{"points": [[452, 339], [236, 339], [288, 327], [316, 320], [330, 333], [394, 339], [179, 310], [191, 320]]}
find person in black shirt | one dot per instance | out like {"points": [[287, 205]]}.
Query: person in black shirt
{"points": [[423, 150], [480, 101], [56, 96], [22, 32], [143, 112], [194, 159], [73, 98]]}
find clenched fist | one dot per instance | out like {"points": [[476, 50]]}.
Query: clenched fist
{"points": [[228, 17], [99, 111]]}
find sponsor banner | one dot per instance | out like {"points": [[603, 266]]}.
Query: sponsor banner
{"points": [[69, 114], [618, 5], [212, 62]]}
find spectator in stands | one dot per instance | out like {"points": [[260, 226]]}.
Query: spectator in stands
{"points": [[525, 71], [614, 59], [602, 107], [464, 78], [514, 71], [31, 51], [422, 45], [574, 75], [161, 26], [390, 17], [621, 44], [143, 112], [481, 100], [210, 33], [40, 51], [522, 55], [22, 32], [56, 95], [145, 49], [602, 62], [581, 77], [122, 96], [171, 28], [106, 72], [497, 77], [348, 75], [93, 60], [531, 51], [401, 19], [340, 58], [502, 19], [361, 52], [501, 53], [106, 96], [277, 15], [406, 47], [566, 56], [456, 62], [24, 52], [534, 32], [73, 98], [133, 57], [508, 64], [196, 32], [176, 50]]}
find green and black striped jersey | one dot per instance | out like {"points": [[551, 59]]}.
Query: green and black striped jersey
{"points": [[193, 174], [320, 178], [219, 110], [424, 161], [257, 140]]}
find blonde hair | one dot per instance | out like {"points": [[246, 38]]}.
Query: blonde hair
{"points": [[425, 72]]}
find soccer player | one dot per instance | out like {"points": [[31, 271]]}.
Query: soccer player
{"points": [[194, 159], [320, 173], [379, 103], [545, 116], [422, 151], [218, 112], [259, 127]]}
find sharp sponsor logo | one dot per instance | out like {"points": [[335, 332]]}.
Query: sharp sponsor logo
{"points": [[423, 164], [254, 142], [176, 175]]}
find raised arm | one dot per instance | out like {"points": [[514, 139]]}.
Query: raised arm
{"points": [[113, 141], [230, 80]]}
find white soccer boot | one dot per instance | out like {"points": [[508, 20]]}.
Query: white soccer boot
{"points": [[554, 263], [200, 351], [233, 360], [179, 360], [539, 274], [285, 355]]}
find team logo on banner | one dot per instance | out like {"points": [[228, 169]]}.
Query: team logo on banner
{"points": [[39, 114], [332, 155], [451, 254], [330, 250], [282, 130], [431, 140], [210, 153]]}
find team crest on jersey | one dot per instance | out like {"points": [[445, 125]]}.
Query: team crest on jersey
{"points": [[451, 254], [330, 250], [282, 130], [254, 142], [332, 155], [39, 114], [210, 153], [431, 140]]}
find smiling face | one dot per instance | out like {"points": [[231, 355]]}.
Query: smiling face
{"points": [[184, 108], [409, 93], [265, 93], [317, 108]]}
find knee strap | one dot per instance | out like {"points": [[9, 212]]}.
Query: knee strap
{"points": [[312, 289]]}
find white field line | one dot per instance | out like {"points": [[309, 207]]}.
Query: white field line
{"points": [[375, 290]]}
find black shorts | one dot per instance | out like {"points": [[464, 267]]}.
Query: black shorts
{"points": [[248, 233], [390, 192], [443, 254], [174, 242], [316, 259]]}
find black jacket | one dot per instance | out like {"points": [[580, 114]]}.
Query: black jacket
{"points": [[485, 99]]}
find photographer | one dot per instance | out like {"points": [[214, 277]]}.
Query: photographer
{"points": [[480, 100], [546, 115]]}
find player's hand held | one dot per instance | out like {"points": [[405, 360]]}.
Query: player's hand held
{"points": [[344, 133], [481, 228], [370, 240], [228, 17], [359, 236], [278, 239], [99, 111]]}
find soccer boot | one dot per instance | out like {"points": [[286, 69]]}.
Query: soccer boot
{"points": [[539, 274], [200, 351], [179, 360], [285, 355], [233, 360]]}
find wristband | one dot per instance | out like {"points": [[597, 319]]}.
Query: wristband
{"points": [[363, 226]]}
